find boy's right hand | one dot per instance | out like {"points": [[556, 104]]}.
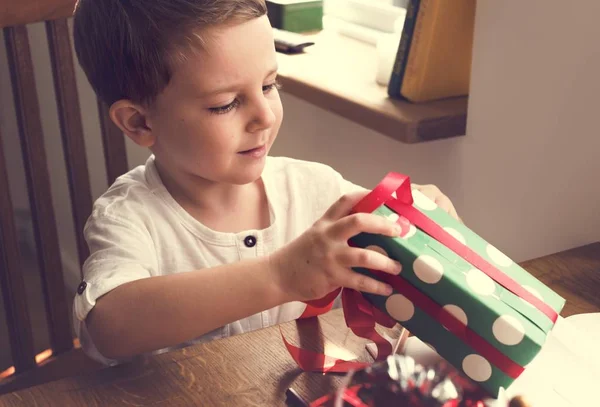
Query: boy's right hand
{"points": [[320, 260]]}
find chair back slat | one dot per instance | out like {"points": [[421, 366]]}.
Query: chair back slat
{"points": [[38, 186], [115, 154], [11, 280], [21, 311], [71, 128]]}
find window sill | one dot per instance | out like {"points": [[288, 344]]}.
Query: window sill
{"points": [[338, 75]]}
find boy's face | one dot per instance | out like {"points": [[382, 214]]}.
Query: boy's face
{"points": [[221, 111]]}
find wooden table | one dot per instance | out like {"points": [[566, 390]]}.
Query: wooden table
{"points": [[255, 369]]}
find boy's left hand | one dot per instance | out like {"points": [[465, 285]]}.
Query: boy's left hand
{"points": [[432, 192]]}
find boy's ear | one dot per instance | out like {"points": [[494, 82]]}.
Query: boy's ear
{"points": [[132, 120]]}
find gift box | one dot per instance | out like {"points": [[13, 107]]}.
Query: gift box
{"points": [[456, 292]]}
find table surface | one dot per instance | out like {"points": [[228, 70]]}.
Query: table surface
{"points": [[255, 369]]}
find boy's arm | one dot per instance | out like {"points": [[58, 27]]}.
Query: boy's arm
{"points": [[126, 313], [158, 312], [130, 307]]}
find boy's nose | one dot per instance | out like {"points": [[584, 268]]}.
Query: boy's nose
{"points": [[263, 116]]}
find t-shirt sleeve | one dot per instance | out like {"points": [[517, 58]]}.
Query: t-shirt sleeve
{"points": [[120, 252]]}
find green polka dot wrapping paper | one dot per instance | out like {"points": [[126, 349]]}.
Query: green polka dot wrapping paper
{"points": [[492, 332]]}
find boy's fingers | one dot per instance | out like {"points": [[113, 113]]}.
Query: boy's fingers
{"points": [[432, 192], [357, 223], [444, 202], [369, 259], [366, 284], [343, 206]]}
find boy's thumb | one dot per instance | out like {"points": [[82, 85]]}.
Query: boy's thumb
{"points": [[343, 206]]}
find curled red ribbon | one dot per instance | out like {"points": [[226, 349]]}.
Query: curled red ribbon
{"points": [[360, 316], [350, 396]]}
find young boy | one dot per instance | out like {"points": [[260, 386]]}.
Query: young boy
{"points": [[232, 240]]}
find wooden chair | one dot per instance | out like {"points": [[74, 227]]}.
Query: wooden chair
{"points": [[65, 356]]}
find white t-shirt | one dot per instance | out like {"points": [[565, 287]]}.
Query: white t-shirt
{"points": [[137, 230]]}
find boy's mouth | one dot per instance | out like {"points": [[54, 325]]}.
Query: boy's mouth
{"points": [[255, 152]]}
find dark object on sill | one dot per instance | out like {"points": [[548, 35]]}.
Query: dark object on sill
{"points": [[290, 43], [293, 399]]}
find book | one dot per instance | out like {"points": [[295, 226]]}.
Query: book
{"points": [[435, 60], [395, 82]]}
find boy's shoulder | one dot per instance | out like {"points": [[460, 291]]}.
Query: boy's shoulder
{"points": [[316, 177], [129, 195]]}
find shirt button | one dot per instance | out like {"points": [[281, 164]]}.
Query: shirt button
{"points": [[250, 241], [81, 287]]}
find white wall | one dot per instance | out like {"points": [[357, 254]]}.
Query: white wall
{"points": [[524, 176]]}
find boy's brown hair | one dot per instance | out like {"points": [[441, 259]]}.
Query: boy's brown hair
{"points": [[127, 48]]}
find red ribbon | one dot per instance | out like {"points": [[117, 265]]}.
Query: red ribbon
{"points": [[311, 361], [360, 316], [350, 396], [320, 306]]}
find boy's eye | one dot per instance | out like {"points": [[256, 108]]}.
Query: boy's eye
{"points": [[225, 109], [229, 107], [271, 86]]}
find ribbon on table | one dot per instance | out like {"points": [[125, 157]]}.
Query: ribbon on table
{"points": [[360, 316], [349, 396], [396, 193]]}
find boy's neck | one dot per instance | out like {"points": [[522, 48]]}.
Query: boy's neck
{"points": [[219, 206]]}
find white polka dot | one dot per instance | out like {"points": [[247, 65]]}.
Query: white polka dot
{"points": [[399, 307], [377, 249], [393, 217], [457, 313], [422, 201], [479, 282], [508, 330], [498, 257], [428, 269], [411, 232], [456, 234], [534, 292], [477, 368]]}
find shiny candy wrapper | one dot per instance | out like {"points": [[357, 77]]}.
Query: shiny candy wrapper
{"points": [[400, 381]]}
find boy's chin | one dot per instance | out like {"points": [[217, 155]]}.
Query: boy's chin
{"points": [[248, 174]]}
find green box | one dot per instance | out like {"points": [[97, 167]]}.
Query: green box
{"points": [[511, 325], [296, 15]]}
